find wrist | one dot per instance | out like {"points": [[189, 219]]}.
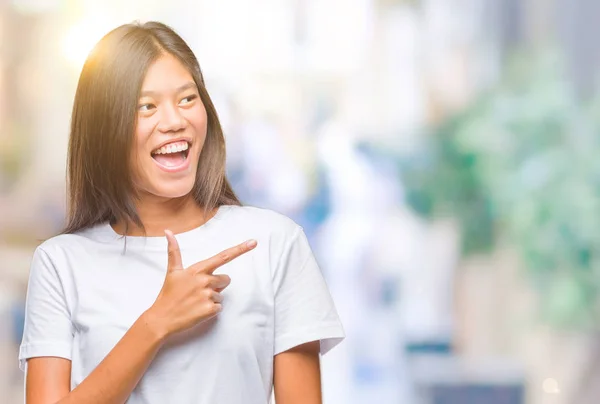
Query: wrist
{"points": [[156, 327]]}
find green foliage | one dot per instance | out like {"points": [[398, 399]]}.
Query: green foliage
{"points": [[523, 165]]}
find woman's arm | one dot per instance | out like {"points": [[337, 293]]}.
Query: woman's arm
{"points": [[188, 297], [51, 377], [297, 375], [113, 380]]}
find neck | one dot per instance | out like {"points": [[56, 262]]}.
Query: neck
{"points": [[158, 214]]}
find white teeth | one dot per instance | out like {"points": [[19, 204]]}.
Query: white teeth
{"points": [[172, 148]]}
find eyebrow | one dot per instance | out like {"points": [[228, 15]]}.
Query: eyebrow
{"points": [[180, 89]]}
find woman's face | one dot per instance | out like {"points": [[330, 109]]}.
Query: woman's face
{"points": [[170, 131]]}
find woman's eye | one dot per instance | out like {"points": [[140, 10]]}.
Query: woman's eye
{"points": [[188, 99], [146, 107]]}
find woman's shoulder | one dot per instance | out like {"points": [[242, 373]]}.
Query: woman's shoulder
{"points": [[58, 244]]}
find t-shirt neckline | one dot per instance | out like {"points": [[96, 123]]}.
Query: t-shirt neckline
{"points": [[108, 234]]}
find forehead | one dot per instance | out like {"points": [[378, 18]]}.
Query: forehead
{"points": [[166, 74]]}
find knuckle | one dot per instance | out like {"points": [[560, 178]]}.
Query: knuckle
{"points": [[224, 256], [212, 308], [198, 267], [207, 293], [202, 280], [210, 281]]}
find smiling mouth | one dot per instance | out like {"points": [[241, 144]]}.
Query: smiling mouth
{"points": [[173, 155]]}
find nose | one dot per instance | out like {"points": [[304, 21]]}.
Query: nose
{"points": [[171, 119]]}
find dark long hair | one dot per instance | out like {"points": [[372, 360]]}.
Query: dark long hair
{"points": [[100, 186]]}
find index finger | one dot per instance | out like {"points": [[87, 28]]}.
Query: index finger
{"points": [[209, 265]]}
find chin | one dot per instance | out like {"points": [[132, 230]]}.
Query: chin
{"points": [[171, 191]]}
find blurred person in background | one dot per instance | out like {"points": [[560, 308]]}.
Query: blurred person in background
{"points": [[117, 312]]}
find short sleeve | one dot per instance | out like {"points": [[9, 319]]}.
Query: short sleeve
{"points": [[304, 309], [48, 328]]}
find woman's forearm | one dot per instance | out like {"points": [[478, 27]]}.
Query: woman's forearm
{"points": [[113, 380]]}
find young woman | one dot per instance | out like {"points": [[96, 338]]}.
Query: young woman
{"points": [[163, 288]]}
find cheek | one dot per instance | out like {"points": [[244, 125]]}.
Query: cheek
{"points": [[143, 131], [140, 149], [198, 120]]}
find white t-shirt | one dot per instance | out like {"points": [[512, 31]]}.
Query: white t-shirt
{"points": [[86, 290]]}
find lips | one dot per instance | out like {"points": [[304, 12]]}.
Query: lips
{"points": [[173, 156]]}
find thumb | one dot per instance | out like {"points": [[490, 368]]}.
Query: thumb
{"points": [[174, 263]]}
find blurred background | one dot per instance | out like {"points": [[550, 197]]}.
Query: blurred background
{"points": [[441, 156]]}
